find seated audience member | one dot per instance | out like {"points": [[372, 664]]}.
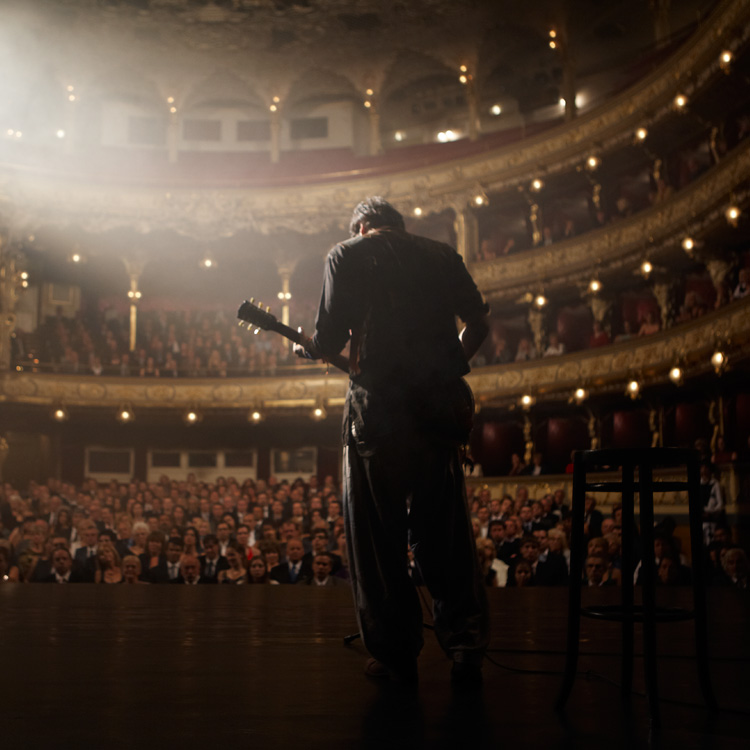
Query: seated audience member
{"points": [[259, 571], [212, 563], [743, 285], [191, 540], [736, 567], [237, 570], [536, 467], [294, 569], [522, 575], [62, 568], [140, 531], [322, 566], [63, 523], [713, 501], [555, 347], [713, 570], [526, 350], [108, 565], [599, 336], [319, 543], [494, 571], [558, 545], [85, 555], [592, 518], [649, 325], [169, 570], [594, 572], [223, 535], [516, 465], [510, 546], [131, 570], [154, 557], [670, 572], [271, 553], [496, 534], [501, 354], [190, 571], [124, 531]]}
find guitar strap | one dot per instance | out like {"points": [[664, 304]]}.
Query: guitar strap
{"points": [[354, 351]]}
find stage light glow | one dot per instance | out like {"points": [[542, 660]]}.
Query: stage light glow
{"points": [[496, 109]]}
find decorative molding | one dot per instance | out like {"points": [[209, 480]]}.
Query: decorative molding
{"points": [[28, 198], [620, 244], [552, 377]]}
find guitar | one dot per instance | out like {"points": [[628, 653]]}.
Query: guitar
{"points": [[447, 408], [262, 320]]}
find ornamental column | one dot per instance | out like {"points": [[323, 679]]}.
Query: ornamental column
{"points": [[285, 274], [12, 280], [376, 139], [536, 323], [134, 267], [275, 110], [467, 233]]}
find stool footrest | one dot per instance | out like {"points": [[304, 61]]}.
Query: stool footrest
{"points": [[617, 613], [655, 487]]}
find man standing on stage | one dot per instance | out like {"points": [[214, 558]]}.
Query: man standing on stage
{"points": [[397, 296]]}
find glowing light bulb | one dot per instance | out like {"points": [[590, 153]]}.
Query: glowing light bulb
{"points": [[641, 134], [496, 109], [680, 101], [418, 211], [688, 244], [540, 300], [595, 285]]}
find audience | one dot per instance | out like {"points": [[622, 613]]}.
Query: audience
{"points": [[275, 532]]}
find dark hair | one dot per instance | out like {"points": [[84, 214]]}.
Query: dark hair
{"points": [[374, 212], [176, 541], [210, 539]]}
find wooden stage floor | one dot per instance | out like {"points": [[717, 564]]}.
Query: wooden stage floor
{"points": [[120, 667]]}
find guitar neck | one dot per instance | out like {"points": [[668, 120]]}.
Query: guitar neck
{"points": [[338, 360]]}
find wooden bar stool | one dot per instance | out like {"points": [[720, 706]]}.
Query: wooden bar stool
{"points": [[645, 461]]}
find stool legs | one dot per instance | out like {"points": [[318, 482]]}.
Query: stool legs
{"points": [[628, 524], [648, 569], [576, 573], [699, 584]]}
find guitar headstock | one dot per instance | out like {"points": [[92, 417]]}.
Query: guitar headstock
{"points": [[255, 315]]}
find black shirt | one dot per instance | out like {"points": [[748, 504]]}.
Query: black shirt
{"points": [[399, 295]]}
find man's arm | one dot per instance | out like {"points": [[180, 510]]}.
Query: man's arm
{"points": [[473, 334]]}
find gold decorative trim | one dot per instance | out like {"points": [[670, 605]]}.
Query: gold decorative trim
{"points": [[648, 357], [206, 214], [607, 367], [622, 242]]}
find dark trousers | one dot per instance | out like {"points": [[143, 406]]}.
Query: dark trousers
{"points": [[409, 489]]}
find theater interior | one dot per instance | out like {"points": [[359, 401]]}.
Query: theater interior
{"points": [[161, 161]]}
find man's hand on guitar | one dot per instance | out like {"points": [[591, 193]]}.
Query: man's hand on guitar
{"points": [[304, 348]]}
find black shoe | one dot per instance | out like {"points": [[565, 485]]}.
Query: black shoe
{"points": [[404, 674], [466, 675]]}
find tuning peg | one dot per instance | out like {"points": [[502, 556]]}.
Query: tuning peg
{"points": [[268, 308], [256, 331], [252, 300], [240, 323], [260, 305]]}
